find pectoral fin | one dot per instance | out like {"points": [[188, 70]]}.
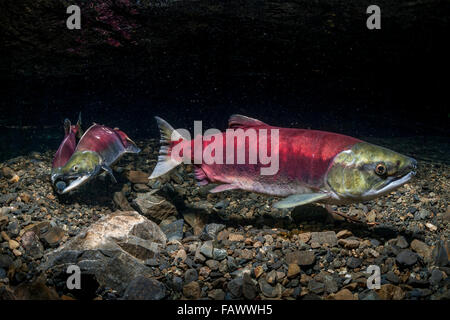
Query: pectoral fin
{"points": [[109, 171], [296, 200]]}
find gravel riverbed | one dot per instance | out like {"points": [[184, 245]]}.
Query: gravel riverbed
{"points": [[171, 239]]}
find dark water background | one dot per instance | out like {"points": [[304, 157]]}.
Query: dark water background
{"points": [[290, 67]]}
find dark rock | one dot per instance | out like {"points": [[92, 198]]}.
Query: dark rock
{"points": [[406, 258], [174, 230], [5, 261], [440, 255], [143, 288], [436, 277], [353, 262], [217, 294], [268, 290], [316, 287], [235, 287], [392, 277], [249, 289], [401, 242], [219, 254], [190, 275]]}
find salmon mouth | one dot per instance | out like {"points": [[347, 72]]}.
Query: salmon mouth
{"points": [[67, 184], [64, 184]]}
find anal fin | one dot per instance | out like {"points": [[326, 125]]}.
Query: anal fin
{"points": [[224, 187], [296, 200]]}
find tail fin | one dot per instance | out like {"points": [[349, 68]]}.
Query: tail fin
{"points": [[165, 161]]}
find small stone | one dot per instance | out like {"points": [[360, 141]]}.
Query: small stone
{"points": [[174, 230], [293, 270], [431, 226], [258, 271], [304, 237], [353, 262], [217, 294], [349, 243], [316, 287], [436, 277], [212, 264], [401, 242], [392, 277], [249, 289], [343, 294], [302, 258], [390, 292], [406, 258], [8, 173], [328, 237], [421, 248], [190, 275], [213, 229], [268, 290], [13, 244], [235, 287], [371, 216], [207, 249], [137, 177], [440, 254], [219, 254], [235, 237], [344, 234], [192, 290]]}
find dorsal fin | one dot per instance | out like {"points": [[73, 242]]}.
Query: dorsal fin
{"points": [[239, 121]]}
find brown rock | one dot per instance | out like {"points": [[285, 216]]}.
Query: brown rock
{"points": [[137, 177], [327, 237], [305, 236], [344, 234], [259, 270], [8, 173], [192, 290], [349, 243], [13, 244], [390, 292], [302, 258], [293, 270], [421, 248], [343, 294]]}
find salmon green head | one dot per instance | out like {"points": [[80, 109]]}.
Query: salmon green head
{"points": [[80, 168], [367, 171]]}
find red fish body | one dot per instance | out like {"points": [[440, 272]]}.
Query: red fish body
{"points": [[109, 143], [304, 158], [304, 165]]}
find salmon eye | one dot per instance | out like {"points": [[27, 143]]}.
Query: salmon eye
{"points": [[380, 169], [75, 168]]}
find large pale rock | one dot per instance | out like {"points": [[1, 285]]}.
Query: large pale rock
{"points": [[154, 207], [113, 250]]}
